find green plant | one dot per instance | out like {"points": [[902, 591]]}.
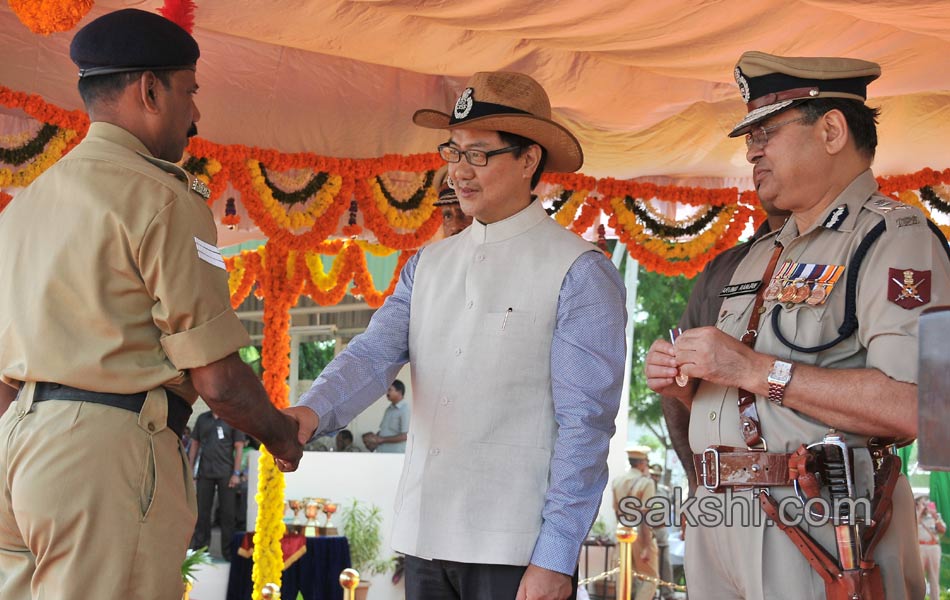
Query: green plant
{"points": [[193, 560], [362, 526]]}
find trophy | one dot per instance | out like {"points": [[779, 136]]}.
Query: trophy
{"points": [[329, 528], [296, 506], [312, 508]]}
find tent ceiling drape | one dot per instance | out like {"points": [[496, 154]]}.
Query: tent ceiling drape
{"points": [[647, 86]]}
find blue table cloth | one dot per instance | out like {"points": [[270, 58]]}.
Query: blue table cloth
{"points": [[316, 575]]}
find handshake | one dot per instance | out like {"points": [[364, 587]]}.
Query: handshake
{"points": [[296, 428]]}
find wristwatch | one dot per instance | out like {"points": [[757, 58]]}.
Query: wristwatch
{"points": [[779, 377], [237, 473]]}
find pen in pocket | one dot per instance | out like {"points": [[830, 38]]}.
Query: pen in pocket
{"points": [[505, 322]]}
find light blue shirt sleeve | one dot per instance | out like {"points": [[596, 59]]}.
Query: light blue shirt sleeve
{"points": [[588, 355], [362, 373]]}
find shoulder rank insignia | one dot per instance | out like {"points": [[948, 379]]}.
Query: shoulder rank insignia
{"points": [[886, 205], [199, 187], [908, 288], [836, 218]]}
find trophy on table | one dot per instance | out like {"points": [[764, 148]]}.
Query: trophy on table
{"points": [[312, 508], [329, 528], [297, 521]]}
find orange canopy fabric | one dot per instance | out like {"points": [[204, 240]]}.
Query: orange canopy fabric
{"points": [[646, 86]]}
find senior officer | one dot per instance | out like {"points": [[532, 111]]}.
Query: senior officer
{"points": [[818, 361], [514, 331], [114, 312]]}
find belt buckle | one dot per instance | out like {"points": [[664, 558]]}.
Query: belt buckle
{"points": [[711, 450]]}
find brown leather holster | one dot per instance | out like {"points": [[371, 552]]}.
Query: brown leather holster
{"points": [[865, 582]]}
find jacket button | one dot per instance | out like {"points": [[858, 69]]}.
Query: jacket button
{"points": [[712, 416], [480, 258], [470, 304], [434, 452], [445, 401], [151, 426], [458, 352]]}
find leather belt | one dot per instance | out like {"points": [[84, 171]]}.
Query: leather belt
{"points": [[725, 466], [178, 409]]}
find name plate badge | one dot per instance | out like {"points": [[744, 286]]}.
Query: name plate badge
{"points": [[740, 289]]}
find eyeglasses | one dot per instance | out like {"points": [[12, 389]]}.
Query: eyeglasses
{"points": [[476, 158], [760, 135]]}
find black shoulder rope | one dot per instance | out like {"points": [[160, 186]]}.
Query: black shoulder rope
{"points": [[850, 324]]}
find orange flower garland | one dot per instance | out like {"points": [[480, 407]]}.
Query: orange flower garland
{"points": [[50, 16], [376, 222], [44, 112]]}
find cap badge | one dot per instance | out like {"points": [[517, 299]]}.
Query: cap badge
{"points": [[464, 104], [743, 85]]}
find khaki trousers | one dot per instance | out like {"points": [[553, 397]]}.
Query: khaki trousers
{"points": [[646, 590], [761, 563], [96, 502]]}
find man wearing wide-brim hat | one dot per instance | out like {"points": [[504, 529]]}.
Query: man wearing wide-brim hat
{"points": [[514, 330], [820, 335]]}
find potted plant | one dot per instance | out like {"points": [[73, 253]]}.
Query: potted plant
{"points": [[362, 526], [189, 567]]}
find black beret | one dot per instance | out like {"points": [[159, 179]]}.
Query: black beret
{"points": [[132, 40]]}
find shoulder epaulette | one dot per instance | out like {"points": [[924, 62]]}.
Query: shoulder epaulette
{"points": [[194, 184]]}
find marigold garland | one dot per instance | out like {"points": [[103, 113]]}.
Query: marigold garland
{"points": [[50, 16], [379, 224], [269, 528], [30, 148], [55, 149], [566, 213], [405, 215], [300, 213]]}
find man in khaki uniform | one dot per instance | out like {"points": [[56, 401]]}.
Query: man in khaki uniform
{"points": [[811, 140], [114, 315], [637, 483]]}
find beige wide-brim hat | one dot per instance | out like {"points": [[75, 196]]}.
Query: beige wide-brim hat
{"points": [[512, 102]]}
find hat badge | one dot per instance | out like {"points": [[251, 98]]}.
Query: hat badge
{"points": [[743, 85], [464, 104]]}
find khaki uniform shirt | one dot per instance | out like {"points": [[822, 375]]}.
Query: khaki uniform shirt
{"points": [[112, 281], [886, 339], [633, 483]]}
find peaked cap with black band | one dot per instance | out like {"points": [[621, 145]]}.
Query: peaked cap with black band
{"points": [[131, 40], [511, 102], [770, 84]]}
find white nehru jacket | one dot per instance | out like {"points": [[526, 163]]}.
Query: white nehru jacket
{"points": [[483, 312]]}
